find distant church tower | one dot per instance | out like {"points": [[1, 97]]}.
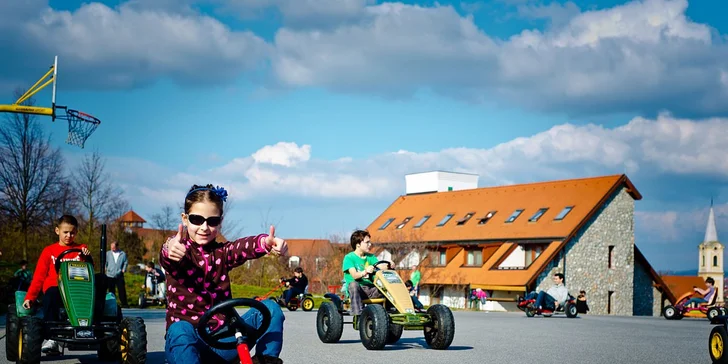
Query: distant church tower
{"points": [[711, 255]]}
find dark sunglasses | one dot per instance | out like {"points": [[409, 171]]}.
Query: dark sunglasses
{"points": [[199, 220]]}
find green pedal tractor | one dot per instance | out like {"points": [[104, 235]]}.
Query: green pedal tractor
{"points": [[89, 320]]}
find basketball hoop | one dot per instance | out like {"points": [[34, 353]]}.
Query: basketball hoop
{"points": [[80, 125]]}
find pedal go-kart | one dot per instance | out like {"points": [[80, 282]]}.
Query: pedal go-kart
{"points": [[153, 292], [245, 335], [569, 308], [303, 300], [679, 310], [90, 319], [383, 319]]}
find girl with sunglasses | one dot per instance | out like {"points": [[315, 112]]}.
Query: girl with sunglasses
{"points": [[198, 278]]}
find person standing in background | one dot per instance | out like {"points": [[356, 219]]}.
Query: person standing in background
{"points": [[116, 264]]}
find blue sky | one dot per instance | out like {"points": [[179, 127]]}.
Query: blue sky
{"points": [[312, 111]]}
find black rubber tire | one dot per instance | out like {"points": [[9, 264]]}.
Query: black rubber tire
{"points": [[718, 337], [713, 312], [669, 312], [395, 333], [12, 329], [374, 327], [329, 323], [31, 332], [570, 310], [142, 300], [109, 350], [441, 332], [307, 304], [134, 334], [530, 312]]}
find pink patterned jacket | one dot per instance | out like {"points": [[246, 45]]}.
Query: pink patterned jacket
{"points": [[201, 279]]}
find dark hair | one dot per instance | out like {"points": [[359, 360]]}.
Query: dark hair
{"points": [[560, 275], [67, 219], [582, 292], [203, 194], [298, 270], [23, 262], [357, 237], [408, 283], [150, 264], [709, 280]]}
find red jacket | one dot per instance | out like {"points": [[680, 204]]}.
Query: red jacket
{"points": [[45, 271]]}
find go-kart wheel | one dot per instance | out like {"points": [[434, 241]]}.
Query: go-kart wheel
{"points": [[307, 304], [669, 312], [142, 300], [395, 333], [233, 323], [570, 309], [292, 306], [374, 327], [329, 323], [30, 339], [530, 312], [716, 345], [441, 330], [723, 311], [713, 312], [133, 341], [63, 254], [12, 330]]}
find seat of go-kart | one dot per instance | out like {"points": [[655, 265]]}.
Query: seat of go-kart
{"points": [[712, 300]]}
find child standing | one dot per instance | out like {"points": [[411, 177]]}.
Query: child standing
{"points": [[198, 277], [46, 278]]}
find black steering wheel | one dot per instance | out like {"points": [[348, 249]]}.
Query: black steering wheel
{"points": [[233, 323], [60, 257], [376, 265]]}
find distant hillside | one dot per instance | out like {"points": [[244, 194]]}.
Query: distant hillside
{"points": [[690, 272]]}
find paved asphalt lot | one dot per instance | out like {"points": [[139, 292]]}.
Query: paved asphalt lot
{"points": [[480, 338]]}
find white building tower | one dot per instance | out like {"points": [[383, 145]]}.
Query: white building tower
{"points": [[711, 255]]}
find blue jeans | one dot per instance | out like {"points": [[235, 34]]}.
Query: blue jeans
{"points": [[695, 300], [184, 345], [543, 300], [290, 293]]}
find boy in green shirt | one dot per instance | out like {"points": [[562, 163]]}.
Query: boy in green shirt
{"points": [[358, 267]]}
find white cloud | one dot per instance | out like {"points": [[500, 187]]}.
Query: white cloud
{"points": [[128, 46], [637, 57], [648, 147], [284, 154]]}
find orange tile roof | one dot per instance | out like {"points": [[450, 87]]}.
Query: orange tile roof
{"points": [[679, 285], [309, 247], [585, 196], [131, 216]]}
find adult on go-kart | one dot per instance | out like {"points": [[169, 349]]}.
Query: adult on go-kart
{"points": [[546, 302], [236, 337]]}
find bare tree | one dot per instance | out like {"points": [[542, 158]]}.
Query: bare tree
{"points": [[98, 196], [31, 173], [231, 229]]}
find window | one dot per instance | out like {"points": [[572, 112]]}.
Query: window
{"points": [[386, 223], [514, 215], [445, 219], [487, 217], [715, 261], [449, 188], [294, 261], [703, 260], [466, 218], [422, 221], [563, 213], [406, 220], [533, 251], [320, 263], [611, 256], [439, 258], [538, 214], [610, 302], [475, 257]]}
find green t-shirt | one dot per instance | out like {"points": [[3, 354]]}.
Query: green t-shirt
{"points": [[352, 260], [415, 278]]}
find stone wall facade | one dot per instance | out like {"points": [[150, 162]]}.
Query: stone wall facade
{"points": [[646, 299], [585, 259]]}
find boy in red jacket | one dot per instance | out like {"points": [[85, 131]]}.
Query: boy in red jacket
{"points": [[46, 278]]}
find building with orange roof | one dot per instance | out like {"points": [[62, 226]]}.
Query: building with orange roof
{"points": [[509, 240]]}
